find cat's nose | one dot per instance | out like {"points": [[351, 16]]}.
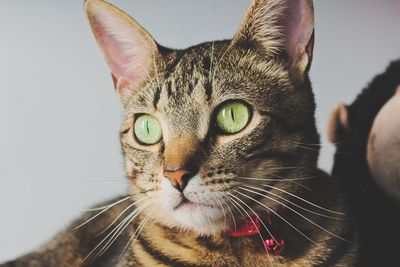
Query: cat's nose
{"points": [[179, 178]]}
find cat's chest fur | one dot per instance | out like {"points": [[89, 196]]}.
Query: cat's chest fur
{"points": [[158, 245]]}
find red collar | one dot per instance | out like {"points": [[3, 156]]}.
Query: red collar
{"points": [[253, 227]]}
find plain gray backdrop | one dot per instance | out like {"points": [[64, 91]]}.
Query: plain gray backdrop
{"points": [[59, 114]]}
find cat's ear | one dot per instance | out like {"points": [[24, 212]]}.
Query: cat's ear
{"points": [[338, 124], [281, 27], [128, 49]]}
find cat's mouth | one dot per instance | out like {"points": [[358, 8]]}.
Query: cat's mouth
{"points": [[189, 204]]}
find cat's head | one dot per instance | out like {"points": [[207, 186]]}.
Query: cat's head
{"points": [[207, 128]]}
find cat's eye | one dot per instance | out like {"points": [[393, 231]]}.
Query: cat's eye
{"points": [[232, 117], [147, 129]]}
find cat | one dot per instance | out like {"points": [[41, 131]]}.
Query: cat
{"points": [[213, 141]]}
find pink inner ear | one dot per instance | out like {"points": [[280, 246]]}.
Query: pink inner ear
{"points": [[127, 48], [112, 49], [299, 25]]}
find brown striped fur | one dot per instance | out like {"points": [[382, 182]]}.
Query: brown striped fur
{"points": [[264, 65]]}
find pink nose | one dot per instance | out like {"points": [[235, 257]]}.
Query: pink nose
{"points": [[178, 178]]}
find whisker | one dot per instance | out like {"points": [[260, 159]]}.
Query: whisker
{"points": [[99, 208], [283, 219], [99, 179], [280, 168], [103, 209], [121, 213], [123, 227], [307, 148], [262, 222], [299, 214], [214, 207], [147, 190], [231, 213], [121, 177], [316, 144], [274, 179], [294, 179], [137, 231], [208, 219], [223, 211], [112, 233], [292, 203], [304, 200], [305, 187], [252, 221], [230, 200], [281, 179]]}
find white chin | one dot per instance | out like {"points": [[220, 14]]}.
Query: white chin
{"points": [[191, 215], [203, 219]]}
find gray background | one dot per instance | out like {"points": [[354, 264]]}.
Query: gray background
{"points": [[59, 115]]}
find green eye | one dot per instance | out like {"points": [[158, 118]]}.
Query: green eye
{"points": [[233, 116], [148, 130]]}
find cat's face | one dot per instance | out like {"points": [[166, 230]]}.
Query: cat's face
{"points": [[206, 128]]}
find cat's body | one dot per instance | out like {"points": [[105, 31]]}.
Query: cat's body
{"points": [[161, 246], [214, 136]]}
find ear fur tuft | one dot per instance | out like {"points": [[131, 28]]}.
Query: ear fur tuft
{"points": [[281, 26]]}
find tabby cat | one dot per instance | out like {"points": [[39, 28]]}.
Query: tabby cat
{"points": [[215, 141]]}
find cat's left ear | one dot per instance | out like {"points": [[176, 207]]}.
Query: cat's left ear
{"points": [[128, 49], [281, 27]]}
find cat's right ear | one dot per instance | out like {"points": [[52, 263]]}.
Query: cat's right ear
{"points": [[128, 49], [281, 27]]}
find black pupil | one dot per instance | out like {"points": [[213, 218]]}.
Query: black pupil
{"points": [[147, 127], [232, 114]]}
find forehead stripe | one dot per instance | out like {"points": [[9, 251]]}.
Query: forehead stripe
{"points": [[208, 89], [156, 98]]}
